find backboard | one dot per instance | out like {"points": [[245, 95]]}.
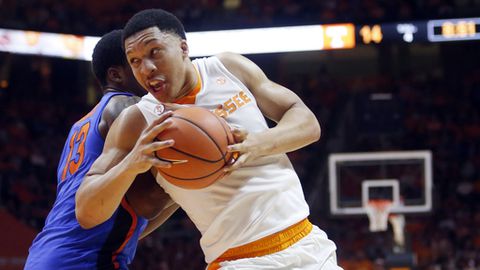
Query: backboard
{"points": [[404, 177]]}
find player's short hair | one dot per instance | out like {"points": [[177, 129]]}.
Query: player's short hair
{"points": [[163, 20], [107, 53]]}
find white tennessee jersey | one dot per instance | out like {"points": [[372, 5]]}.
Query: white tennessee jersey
{"points": [[260, 198]]}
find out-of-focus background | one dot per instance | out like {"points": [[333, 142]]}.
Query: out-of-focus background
{"points": [[410, 81]]}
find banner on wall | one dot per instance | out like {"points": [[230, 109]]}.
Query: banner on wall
{"points": [[243, 41]]}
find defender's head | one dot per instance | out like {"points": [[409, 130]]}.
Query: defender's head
{"points": [[110, 66]]}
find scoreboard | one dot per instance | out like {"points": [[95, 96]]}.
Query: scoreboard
{"points": [[419, 31]]}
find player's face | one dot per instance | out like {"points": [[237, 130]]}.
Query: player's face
{"points": [[158, 61]]}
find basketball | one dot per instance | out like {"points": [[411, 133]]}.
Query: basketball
{"points": [[201, 138]]}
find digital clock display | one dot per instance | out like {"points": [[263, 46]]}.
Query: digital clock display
{"points": [[453, 29]]}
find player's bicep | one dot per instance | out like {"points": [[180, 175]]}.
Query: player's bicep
{"points": [[120, 140], [108, 159], [272, 99]]}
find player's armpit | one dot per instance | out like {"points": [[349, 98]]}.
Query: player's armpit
{"points": [[147, 197], [159, 220]]}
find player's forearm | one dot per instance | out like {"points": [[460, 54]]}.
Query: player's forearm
{"points": [[297, 128], [100, 195], [159, 220]]}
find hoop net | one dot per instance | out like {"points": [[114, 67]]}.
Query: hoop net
{"points": [[378, 211], [398, 225]]}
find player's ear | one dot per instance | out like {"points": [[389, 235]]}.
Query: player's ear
{"points": [[114, 74], [184, 47]]}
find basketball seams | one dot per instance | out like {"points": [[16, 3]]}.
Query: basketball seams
{"points": [[200, 128], [190, 179], [226, 135], [199, 149], [196, 157], [185, 153]]}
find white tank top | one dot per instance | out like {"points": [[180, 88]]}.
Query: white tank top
{"points": [[259, 199]]}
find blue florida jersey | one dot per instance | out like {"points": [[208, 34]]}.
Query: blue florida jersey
{"points": [[63, 244]]}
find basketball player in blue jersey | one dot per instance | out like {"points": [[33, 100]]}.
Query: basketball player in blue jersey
{"points": [[65, 242]]}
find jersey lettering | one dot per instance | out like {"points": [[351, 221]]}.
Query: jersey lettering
{"points": [[77, 143], [232, 104]]}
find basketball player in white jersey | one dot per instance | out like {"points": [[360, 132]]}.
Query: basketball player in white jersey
{"points": [[256, 216]]}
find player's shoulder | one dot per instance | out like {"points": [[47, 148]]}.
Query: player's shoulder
{"points": [[126, 129], [131, 115], [113, 109], [130, 120], [117, 104], [230, 58], [239, 65]]}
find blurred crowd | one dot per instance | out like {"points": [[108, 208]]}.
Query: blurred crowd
{"points": [[38, 107], [90, 17]]}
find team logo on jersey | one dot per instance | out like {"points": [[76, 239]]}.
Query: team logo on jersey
{"points": [[221, 80], [159, 109]]}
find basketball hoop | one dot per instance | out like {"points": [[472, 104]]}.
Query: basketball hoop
{"points": [[378, 211]]}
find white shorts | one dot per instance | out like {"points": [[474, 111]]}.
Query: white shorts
{"points": [[313, 252]]}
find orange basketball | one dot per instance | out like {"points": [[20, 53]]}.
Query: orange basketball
{"points": [[201, 137]]}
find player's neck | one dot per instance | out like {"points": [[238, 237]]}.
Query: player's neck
{"points": [[191, 81], [109, 89]]}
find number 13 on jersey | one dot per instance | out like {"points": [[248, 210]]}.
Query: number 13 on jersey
{"points": [[77, 150]]}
